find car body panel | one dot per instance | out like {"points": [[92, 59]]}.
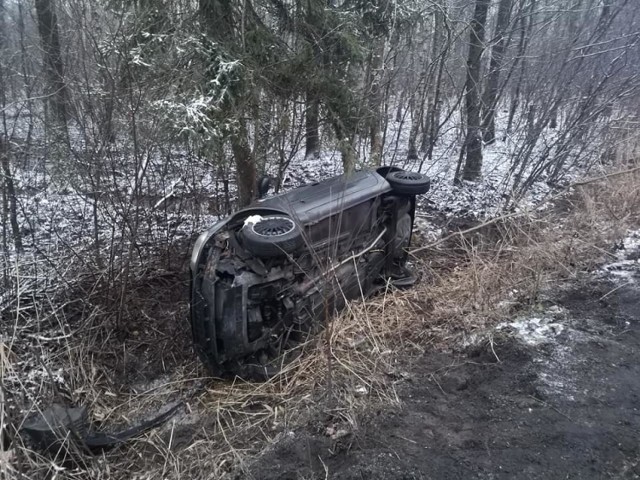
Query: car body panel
{"points": [[315, 202]]}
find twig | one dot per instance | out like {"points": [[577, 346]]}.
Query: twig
{"points": [[357, 255], [552, 408], [493, 349], [469, 230], [168, 195], [604, 177], [406, 439], [615, 290], [433, 377], [601, 250], [326, 469]]}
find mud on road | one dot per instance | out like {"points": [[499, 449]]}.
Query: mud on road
{"points": [[552, 395]]}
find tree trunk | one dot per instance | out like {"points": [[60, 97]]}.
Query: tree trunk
{"points": [[245, 166], [473, 142], [416, 116], [9, 196], [312, 129], [54, 68], [515, 96], [440, 48], [218, 16], [9, 204], [375, 101], [495, 67], [415, 107], [399, 111], [262, 117], [25, 75], [219, 20], [348, 154]]}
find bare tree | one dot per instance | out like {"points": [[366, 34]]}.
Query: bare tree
{"points": [[473, 139], [9, 200], [376, 67], [54, 67], [495, 68], [525, 26], [312, 126], [442, 44]]}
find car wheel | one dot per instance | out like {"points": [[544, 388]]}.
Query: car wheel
{"points": [[272, 236], [408, 183]]}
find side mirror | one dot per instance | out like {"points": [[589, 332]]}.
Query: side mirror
{"points": [[264, 184]]}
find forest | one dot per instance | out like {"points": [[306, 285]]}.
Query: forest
{"points": [[130, 126], [124, 103]]}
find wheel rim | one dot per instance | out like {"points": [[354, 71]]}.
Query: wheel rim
{"points": [[407, 176], [273, 227]]}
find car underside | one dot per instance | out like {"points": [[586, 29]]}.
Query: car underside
{"points": [[265, 277]]}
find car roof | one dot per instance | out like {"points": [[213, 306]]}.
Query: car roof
{"points": [[319, 200]]}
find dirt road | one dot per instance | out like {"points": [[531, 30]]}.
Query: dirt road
{"points": [[553, 395]]}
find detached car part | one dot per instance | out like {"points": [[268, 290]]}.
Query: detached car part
{"points": [[263, 277], [63, 431]]}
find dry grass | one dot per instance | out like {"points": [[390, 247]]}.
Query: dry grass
{"points": [[508, 264], [468, 284]]}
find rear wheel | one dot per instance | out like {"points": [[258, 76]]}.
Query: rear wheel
{"points": [[272, 236], [408, 183]]}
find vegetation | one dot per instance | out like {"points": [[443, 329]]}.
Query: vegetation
{"points": [[128, 126]]}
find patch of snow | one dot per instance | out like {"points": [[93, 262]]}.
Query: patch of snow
{"points": [[252, 220], [474, 338], [627, 268], [632, 241], [534, 330]]}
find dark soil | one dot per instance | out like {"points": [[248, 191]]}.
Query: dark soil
{"points": [[568, 408]]}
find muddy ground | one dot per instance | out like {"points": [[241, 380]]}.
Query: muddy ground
{"points": [[554, 395]]}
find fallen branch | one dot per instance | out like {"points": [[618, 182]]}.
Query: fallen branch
{"points": [[604, 177], [171, 194], [469, 230]]}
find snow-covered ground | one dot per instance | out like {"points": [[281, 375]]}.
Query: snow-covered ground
{"points": [[626, 269]]}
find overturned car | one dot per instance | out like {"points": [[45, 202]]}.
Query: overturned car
{"points": [[264, 277]]}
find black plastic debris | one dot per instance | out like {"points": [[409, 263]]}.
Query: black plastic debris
{"points": [[64, 431], [58, 429]]}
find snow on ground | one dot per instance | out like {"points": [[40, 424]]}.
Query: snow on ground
{"points": [[535, 330], [626, 269]]}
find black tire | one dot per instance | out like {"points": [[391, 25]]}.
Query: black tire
{"points": [[272, 236], [408, 183]]}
